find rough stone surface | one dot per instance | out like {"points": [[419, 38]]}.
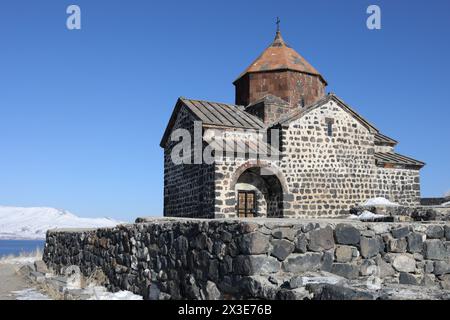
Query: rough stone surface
{"points": [[346, 270], [385, 269], [344, 254], [369, 247], [447, 233], [434, 250], [441, 267], [248, 259], [435, 232], [445, 282], [212, 292], [337, 292], [397, 245], [301, 244], [400, 232], [404, 263], [415, 242], [347, 234], [321, 239], [297, 263], [40, 266], [254, 243], [407, 278], [282, 249]]}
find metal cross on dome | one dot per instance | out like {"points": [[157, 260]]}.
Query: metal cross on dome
{"points": [[278, 24]]}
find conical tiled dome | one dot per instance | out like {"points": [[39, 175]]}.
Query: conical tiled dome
{"points": [[280, 56]]}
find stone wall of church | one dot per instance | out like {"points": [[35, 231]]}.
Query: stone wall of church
{"points": [[328, 174], [270, 109], [188, 188], [322, 176], [398, 185], [325, 175], [228, 171]]}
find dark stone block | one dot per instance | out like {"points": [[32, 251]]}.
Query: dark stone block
{"points": [[435, 232], [321, 239], [407, 278], [434, 250], [369, 247], [254, 243], [301, 244], [337, 292], [415, 242], [282, 249], [327, 261], [297, 263], [346, 234], [345, 270], [230, 202], [400, 232], [441, 267]]}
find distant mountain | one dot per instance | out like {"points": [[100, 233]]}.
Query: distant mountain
{"points": [[32, 223]]}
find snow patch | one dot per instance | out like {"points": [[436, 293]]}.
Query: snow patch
{"points": [[446, 204], [32, 223], [99, 293], [367, 216], [29, 294], [380, 202]]}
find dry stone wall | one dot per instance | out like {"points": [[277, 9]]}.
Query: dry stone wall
{"points": [[258, 258]]}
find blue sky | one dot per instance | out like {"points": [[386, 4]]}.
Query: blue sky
{"points": [[82, 112]]}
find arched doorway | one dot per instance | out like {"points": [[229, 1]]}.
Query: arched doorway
{"points": [[259, 193]]}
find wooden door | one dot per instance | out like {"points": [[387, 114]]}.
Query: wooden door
{"points": [[246, 204]]}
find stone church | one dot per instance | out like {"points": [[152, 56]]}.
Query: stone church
{"points": [[323, 159]]}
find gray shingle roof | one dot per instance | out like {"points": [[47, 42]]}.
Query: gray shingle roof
{"points": [[396, 159], [214, 114], [382, 139], [221, 114]]}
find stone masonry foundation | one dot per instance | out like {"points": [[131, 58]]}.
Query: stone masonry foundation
{"points": [[173, 258]]}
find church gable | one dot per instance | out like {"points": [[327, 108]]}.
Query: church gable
{"points": [[328, 105], [182, 118], [330, 117], [329, 136]]}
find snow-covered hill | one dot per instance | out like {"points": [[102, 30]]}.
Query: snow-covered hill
{"points": [[33, 223]]}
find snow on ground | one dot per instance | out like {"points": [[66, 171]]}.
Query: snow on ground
{"points": [[379, 202], [446, 204], [32, 223], [120, 295], [366, 216], [29, 294], [101, 293]]}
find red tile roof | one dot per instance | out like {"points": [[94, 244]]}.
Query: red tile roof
{"points": [[280, 56]]}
